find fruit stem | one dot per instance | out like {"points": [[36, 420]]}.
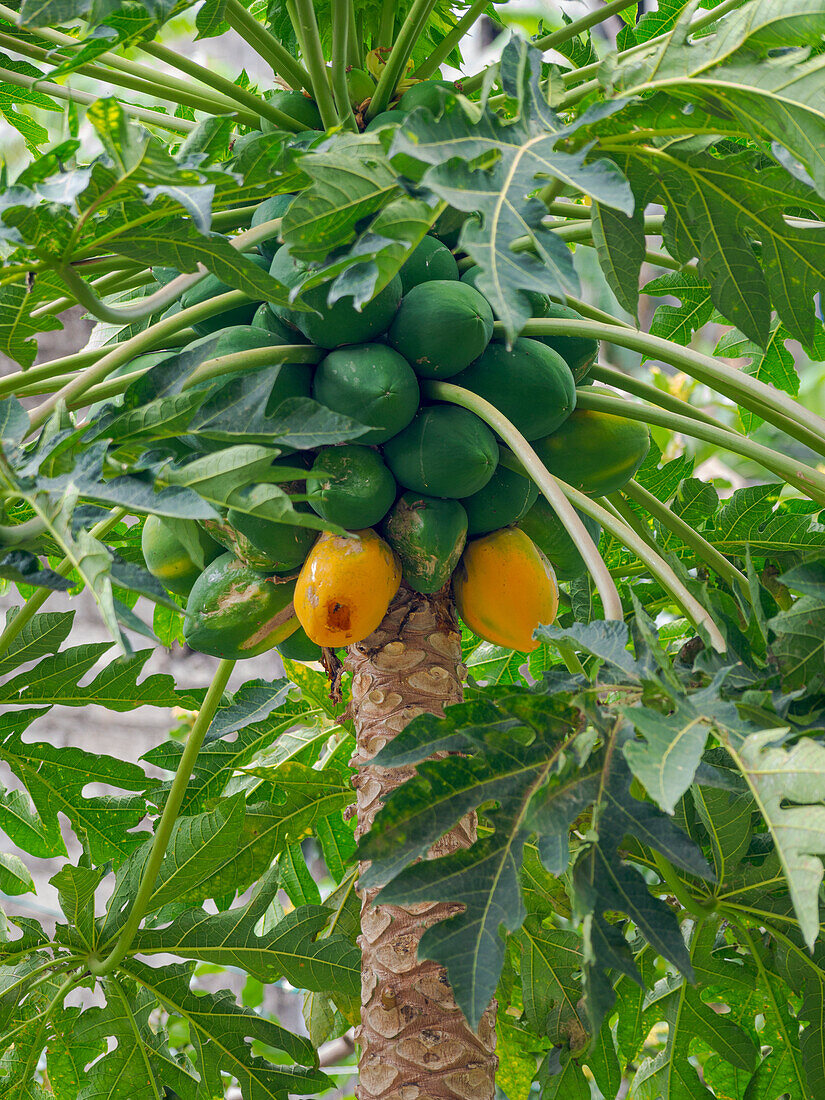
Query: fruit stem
{"points": [[772, 405], [653, 394], [451, 40], [73, 95], [340, 35], [411, 28], [700, 545], [549, 486], [805, 478], [302, 14], [101, 967], [253, 358], [266, 45], [570, 658]]}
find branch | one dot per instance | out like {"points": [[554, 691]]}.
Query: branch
{"points": [[266, 45], [411, 28], [306, 28]]}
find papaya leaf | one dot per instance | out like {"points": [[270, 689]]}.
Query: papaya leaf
{"points": [[17, 326], [667, 759], [620, 245], [15, 877], [678, 323], [76, 888], [773, 364], [23, 567], [43, 634], [753, 518], [551, 962]]}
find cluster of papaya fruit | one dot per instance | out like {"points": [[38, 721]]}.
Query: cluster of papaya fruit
{"points": [[428, 494]]}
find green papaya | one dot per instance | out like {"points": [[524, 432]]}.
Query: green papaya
{"points": [[370, 383], [360, 86], [529, 383], [266, 211], [428, 535], [338, 324], [267, 321], [283, 546], [430, 260], [300, 647], [579, 352], [445, 452], [211, 287], [386, 118], [176, 552], [539, 303], [448, 225], [238, 545], [425, 93], [441, 327], [544, 527], [506, 497], [295, 104], [595, 452], [234, 611], [350, 486]]}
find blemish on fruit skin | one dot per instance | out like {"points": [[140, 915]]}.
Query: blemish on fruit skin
{"points": [[339, 616]]}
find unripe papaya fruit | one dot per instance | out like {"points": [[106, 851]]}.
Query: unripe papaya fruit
{"points": [[370, 383], [504, 588], [296, 105], [445, 452], [345, 587], [448, 225], [211, 287], [299, 647], [544, 527], [441, 327], [386, 118], [529, 383], [265, 320], [233, 611], [428, 535], [240, 546], [426, 93], [274, 207], [284, 546], [579, 352], [539, 303], [595, 452], [360, 86], [350, 486], [333, 326], [429, 260], [176, 552], [506, 497]]}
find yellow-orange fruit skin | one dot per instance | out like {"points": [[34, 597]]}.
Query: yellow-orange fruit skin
{"points": [[345, 587], [504, 587]]}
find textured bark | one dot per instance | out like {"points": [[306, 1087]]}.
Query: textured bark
{"points": [[415, 1043]]}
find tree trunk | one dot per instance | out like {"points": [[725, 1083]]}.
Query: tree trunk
{"points": [[415, 1043]]}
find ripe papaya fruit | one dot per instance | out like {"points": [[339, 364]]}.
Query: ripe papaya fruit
{"points": [[233, 611], [284, 546], [211, 287], [299, 647], [445, 452], [428, 535], [506, 497], [333, 326], [579, 352], [441, 327], [370, 383], [345, 587], [544, 527], [274, 207], [539, 303], [504, 588], [428, 261], [425, 93], [296, 105], [350, 486], [176, 552], [596, 452], [529, 383]]}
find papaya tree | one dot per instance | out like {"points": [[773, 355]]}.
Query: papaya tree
{"points": [[368, 391]]}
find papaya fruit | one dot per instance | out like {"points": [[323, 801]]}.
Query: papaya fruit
{"points": [[295, 104], [176, 552], [299, 647], [441, 327], [595, 452], [386, 118], [274, 207], [544, 527], [504, 588], [506, 497], [529, 383], [370, 383], [238, 545], [428, 535], [445, 452], [266, 321], [211, 287], [579, 352], [345, 587], [539, 303], [448, 225], [283, 546], [339, 324], [360, 86], [425, 93], [234, 611], [429, 260], [350, 486]]}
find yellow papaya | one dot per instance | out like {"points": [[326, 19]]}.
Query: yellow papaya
{"points": [[504, 588], [345, 587]]}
